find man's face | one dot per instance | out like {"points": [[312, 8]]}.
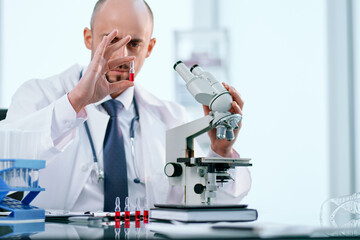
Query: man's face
{"points": [[129, 18]]}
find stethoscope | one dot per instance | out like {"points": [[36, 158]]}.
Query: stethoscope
{"points": [[99, 173]]}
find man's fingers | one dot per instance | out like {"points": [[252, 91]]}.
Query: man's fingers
{"points": [[119, 61], [235, 108], [206, 110], [100, 51], [114, 47], [113, 63], [104, 51], [101, 48], [226, 86], [108, 38], [235, 94], [111, 36]]}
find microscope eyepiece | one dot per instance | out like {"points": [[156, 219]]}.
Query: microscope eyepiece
{"points": [[177, 63], [192, 68]]}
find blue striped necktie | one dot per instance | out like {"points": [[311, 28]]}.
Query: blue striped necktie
{"points": [[115, 182]]}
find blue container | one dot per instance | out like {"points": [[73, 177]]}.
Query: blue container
{"points": [[20, 175]]}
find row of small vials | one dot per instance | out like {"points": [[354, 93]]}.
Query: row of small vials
{"points": [[19, 144], [20, 177], [6, 164], [139, 206]]}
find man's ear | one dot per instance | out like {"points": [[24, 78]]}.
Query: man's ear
{"points": [[87, 38], [150, 46]]}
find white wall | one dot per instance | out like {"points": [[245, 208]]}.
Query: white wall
{"points": [[279, 66], [41, 38], [157, 74], [356, 41]]}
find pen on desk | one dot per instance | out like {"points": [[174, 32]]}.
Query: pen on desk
{"points": [[103, 214]]}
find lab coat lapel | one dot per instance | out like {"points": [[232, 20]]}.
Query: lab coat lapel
{"points": [[152, 145], [97, 122]]}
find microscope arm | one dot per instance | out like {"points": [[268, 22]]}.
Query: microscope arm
{"points": [[180, 144], [180, 140]]}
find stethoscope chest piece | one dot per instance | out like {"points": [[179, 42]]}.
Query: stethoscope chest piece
{"points": [[97, 174]]}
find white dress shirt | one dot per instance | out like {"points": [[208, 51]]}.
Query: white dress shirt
{"points": [[92, 196]]}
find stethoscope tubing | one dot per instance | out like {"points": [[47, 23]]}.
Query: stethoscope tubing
{"points": [[99, 172]]}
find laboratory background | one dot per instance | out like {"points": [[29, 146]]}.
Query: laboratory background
{"points": [[293, 61]]}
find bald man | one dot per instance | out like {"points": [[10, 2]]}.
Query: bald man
{"points": [[70, 112]]}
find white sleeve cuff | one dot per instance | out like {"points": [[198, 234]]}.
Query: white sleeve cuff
{"points": [[64, 120], [233, 192]]}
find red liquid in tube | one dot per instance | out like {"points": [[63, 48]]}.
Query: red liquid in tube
{"points": [[137, 224], [146, 216], [137, 215], [127, 215], [117, 224], [131, 77], [117, 209], [117, 216], [127, 224], [132, 71]]}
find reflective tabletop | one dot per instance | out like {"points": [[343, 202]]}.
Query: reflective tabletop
{"points": [[170, 230]]}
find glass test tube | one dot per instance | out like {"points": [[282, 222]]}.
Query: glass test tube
{"points": [[137, 224], [146, 211], [137, 210], [117, 209], [127, 209], [117, 230], [132, 71]]}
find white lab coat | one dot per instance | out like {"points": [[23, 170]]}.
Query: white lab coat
{"points": [[69, 163]]}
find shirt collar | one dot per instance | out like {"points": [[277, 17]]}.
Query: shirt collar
{"points": [[125, 98]]}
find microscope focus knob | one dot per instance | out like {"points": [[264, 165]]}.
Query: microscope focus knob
{"points": [[199, 188], [173, 169]]}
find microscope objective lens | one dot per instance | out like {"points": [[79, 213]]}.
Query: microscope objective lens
{"points": [[220, 132], [229, 134]]}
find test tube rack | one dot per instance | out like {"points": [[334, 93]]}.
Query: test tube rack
{"points": [[20, 175]]}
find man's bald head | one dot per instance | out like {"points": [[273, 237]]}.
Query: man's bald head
{"points": [[99, 3], [129, 18]]}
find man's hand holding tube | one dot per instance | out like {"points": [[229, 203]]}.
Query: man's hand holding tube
{"points": [[93, 86], [224, 147]]}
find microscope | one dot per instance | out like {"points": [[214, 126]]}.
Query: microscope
{"points": [[201, 176]]}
